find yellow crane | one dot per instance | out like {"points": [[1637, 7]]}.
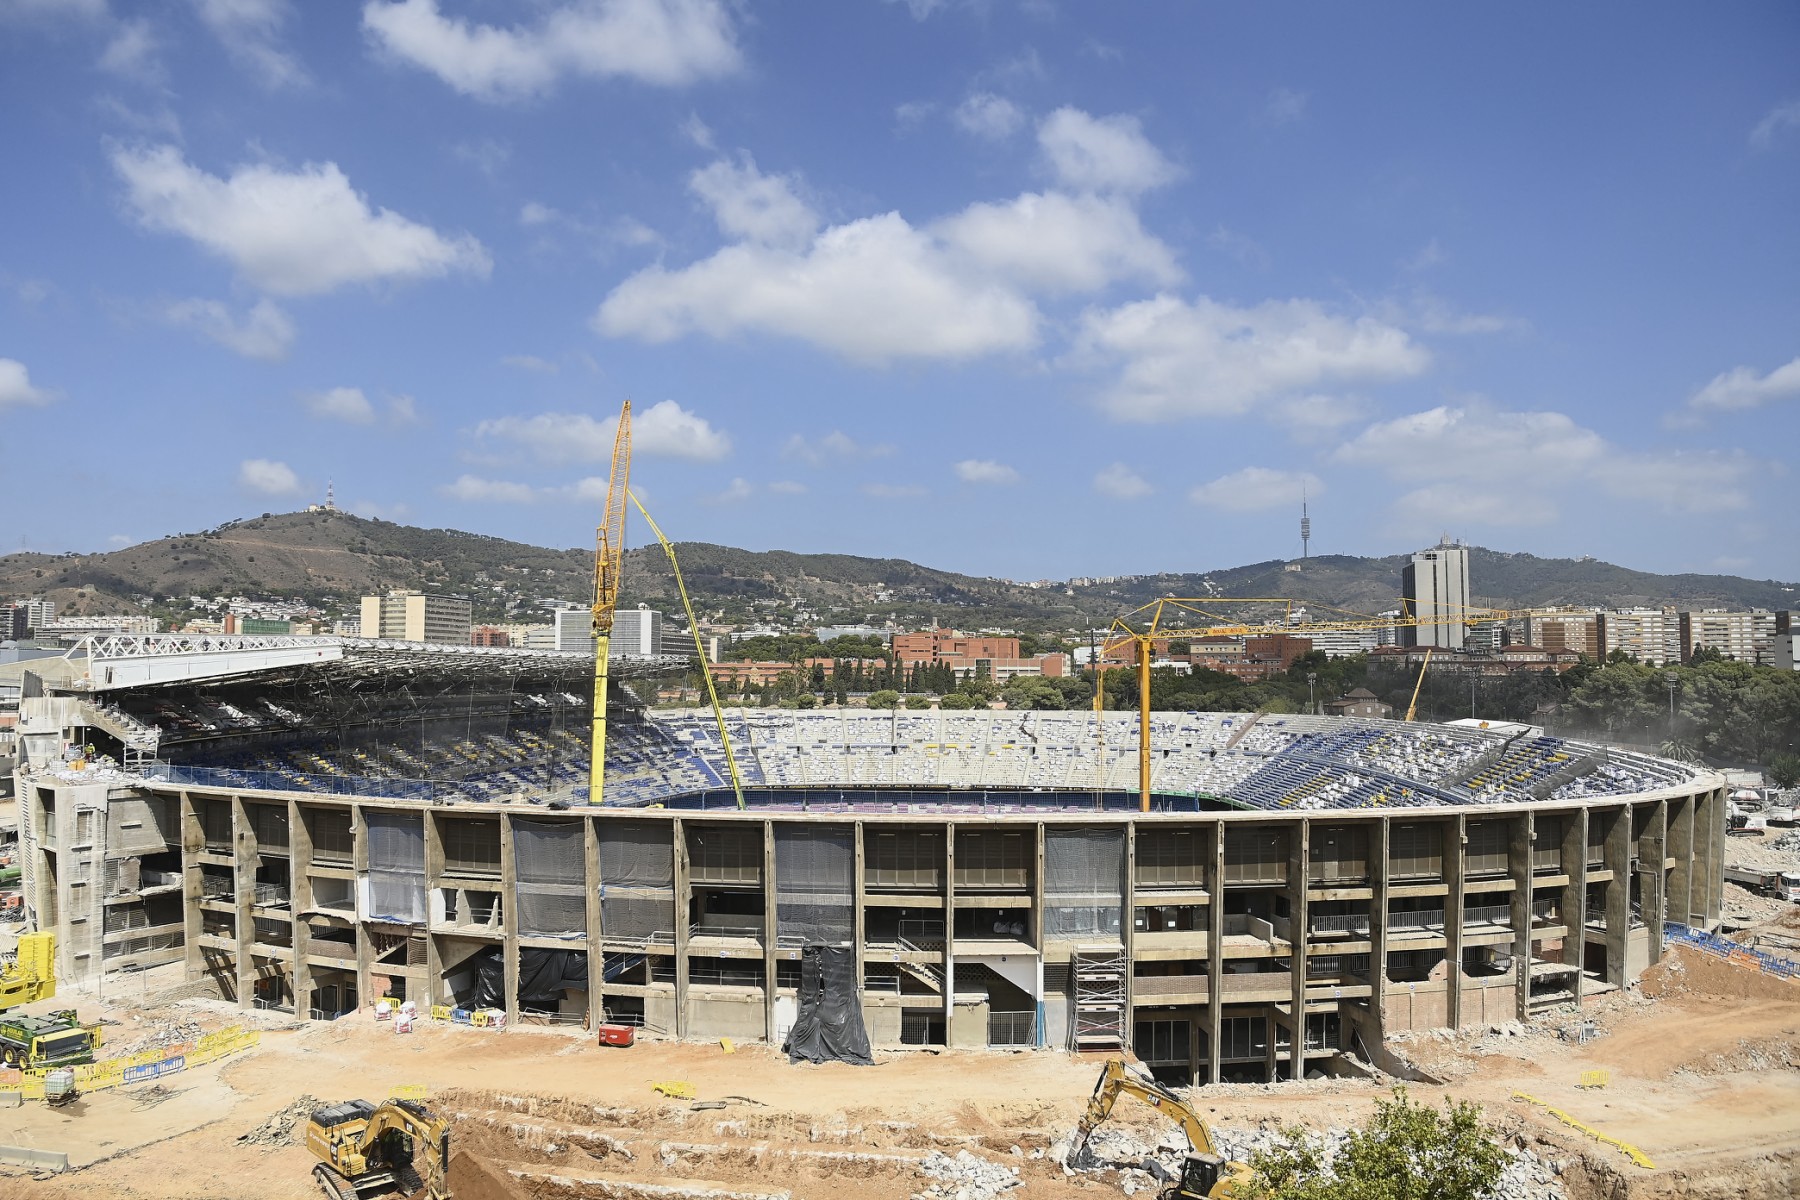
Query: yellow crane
{"points": [[1205, 1175], [609, 552], [30, 974], [1413, 708], [1176, 618]]}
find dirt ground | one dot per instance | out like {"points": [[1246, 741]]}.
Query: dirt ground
{"points": [[1704, 1079]]}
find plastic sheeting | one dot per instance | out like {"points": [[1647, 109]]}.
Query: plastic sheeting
{"points": [[544, 975], [829, 1024], [1084, 883], [815, 883], [396, 866], [550, 866], [637, 879]]}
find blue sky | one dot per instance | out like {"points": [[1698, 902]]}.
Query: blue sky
{"points": [[1021, 289]]}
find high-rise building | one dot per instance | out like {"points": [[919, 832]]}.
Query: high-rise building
{"points": [[574, 628], [1743, 636], [1649, 635], [417, 617], [1575, 630], [1435, 589], [637, 631]]}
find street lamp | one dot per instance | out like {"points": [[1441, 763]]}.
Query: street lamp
{"points": [[1312, 677], [1673, 682]]}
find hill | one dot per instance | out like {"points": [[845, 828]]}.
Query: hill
{"points": [[332, 558]]}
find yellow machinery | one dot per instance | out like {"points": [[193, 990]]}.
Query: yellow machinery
{"points": [[1413, 708], [31, 974], [609, 554], [366, 1150], [1205, 1175], [1173, 618]]}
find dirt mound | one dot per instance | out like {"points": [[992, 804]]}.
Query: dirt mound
{"points": [[1683, 971], [472, 1179]]}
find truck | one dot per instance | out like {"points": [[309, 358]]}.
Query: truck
{"points": [[56, 1040], [1766, 881]]}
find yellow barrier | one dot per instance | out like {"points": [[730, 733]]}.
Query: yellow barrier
{"points": [[1595, 1079], [408, 1091], [1632, 1152], [137, 1068]]}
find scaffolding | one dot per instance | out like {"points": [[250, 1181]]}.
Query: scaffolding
{"points": [[1099, 973]]}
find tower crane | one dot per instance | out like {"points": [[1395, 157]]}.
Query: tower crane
{"points": [[609, 552], [1174, 617]]}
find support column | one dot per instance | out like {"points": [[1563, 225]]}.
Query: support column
{"points": [[772, 928], [684, 898], [1653, 861], [1618, 894], [193, 842], [1215, 951], [1715, 880], [596, 931], [1681, 849], [299, 900], [1127, 937], [509, 919], [243, 877], [1574, 898], [1378, 923], [365, 958], [950, 928], [1452, 864], [1519, 869], [1299, 861], [434, 873], [1144, 724]]}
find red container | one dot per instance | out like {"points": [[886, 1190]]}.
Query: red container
{"points": [[617, 1035]]}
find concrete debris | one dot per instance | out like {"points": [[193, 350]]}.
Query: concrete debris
{"points": [[279, 1129], [964, 1176], [157, 1034]]}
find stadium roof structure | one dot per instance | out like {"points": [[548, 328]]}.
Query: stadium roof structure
{"points": [[113, 662]]}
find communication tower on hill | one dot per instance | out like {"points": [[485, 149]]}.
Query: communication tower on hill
{"points": [[1305, 527]]}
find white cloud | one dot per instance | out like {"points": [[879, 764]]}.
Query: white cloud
{"points": [[788, 487], [893, 491], [268, 477], [1284, 106], [1432, 509], [1253, 489], [1177, 359], [664, 430], [533, 213], [1481, 464], [132, 53], [698, 132], [1121, 482], [765, 209], [119, 539], [293, 233], [403, 410], [476, 490], [665, 42], [346, 404], [1315, 414], [1060, 243], [484, 154], [912, 113], [530, 362], [835, 445], [16, 390], [250, 31], [985, 115], [1241, 246], [985, 471], [872, 290], [1741, 388], [1430, 255], [1782, 116], [83, 10], [736, 492], [265, 332], [1102, 154]]}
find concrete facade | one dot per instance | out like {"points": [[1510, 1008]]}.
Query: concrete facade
{"points": [[1243, 945]]}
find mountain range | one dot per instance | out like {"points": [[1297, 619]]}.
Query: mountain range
{"points": [[331, 558]]}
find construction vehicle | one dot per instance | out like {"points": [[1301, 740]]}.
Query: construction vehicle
{"points": [[29, 973], [1205, 1175], [56, 1040], [367, 1150], [609, 569], [1766, 881]]}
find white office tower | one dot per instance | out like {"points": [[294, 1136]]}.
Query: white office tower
{"points": [[574, 629], [1435, 588], [637, 631]]}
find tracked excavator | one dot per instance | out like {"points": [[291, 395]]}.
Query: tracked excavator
{"points": [[391, 1149], [1205, 1175]]}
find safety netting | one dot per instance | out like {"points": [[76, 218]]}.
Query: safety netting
{"points": [[815, 884], [1084, 883], [550, 869], [637, 881], [396, 878]]}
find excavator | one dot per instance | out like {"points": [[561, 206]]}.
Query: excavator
{"points": [[366, 1150], [1201, 1171], [30, 974]]}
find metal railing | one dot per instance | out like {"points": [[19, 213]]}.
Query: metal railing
{"points": [[1008, 1029], [1488, 914], [272, 894], [1340, 923], [1418, 918]]}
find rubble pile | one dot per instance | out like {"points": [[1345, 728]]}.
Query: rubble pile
{"points": [[964, 1176], [278, 1130], [158, 1033]]}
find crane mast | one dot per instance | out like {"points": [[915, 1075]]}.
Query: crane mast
{"points": [[609, 551]]}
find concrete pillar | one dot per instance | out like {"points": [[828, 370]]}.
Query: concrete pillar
{"points": [[772, 927], [1215, 951], [434, 872], [1453, 864], [299, 900], [359, 828], [1378, 923], [683, 898], [1299, 862], [1519, 870], [193, 842], [596, 957], [509, 918], [243, 859], [1574, 897], [1127, 936], [949, 927], [1618, 893], [1715, 835], [1680, 906], [1653, 861]]}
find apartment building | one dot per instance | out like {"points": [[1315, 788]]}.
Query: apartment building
{"points": [[409, 616]]}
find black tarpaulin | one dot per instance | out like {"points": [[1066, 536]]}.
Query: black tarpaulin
{"points": [[544, 975], [829, 1025]]}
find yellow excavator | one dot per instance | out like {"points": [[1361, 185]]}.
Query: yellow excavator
{"points": [[29, 974], [367, 1150], [1205, 1175]]}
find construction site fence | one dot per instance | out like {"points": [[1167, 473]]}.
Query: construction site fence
{"points": [[1725, 948], [127, 1070]]}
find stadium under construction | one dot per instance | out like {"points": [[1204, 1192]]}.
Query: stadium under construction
{"points": [[309, 824]]}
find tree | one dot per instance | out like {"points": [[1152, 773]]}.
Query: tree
{"points": [[885, 698], [1784, 770], [958, 700], [1407, 1151], [918, 702]]}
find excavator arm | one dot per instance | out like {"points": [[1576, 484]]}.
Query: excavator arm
{"points": [[1117, 1079], [431, 1133]]}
